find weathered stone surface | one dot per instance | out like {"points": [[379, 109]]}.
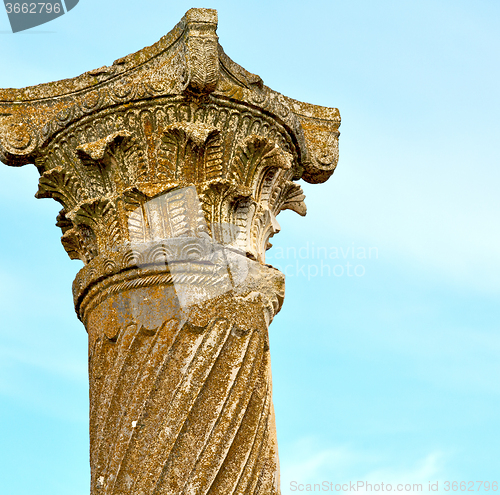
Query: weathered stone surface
{"points": [[171, 166]]}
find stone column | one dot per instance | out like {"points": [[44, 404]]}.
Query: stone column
{"points": [[171, 166]]}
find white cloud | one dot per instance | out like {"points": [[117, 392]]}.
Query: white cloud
{"points": [[430, 468], [344, 465]]}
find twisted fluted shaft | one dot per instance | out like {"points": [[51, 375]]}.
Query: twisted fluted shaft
{"points": [[181, 399]]}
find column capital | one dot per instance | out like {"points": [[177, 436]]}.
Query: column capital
{"points": [[174, 114]]}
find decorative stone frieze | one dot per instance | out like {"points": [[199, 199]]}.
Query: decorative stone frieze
{"points": [[171, 166]]}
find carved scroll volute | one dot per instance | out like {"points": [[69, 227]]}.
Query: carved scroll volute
{"points": [[18, 140], [202, 50], [321, 131]]}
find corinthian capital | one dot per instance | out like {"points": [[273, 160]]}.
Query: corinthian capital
{"points": [[171, 166]]}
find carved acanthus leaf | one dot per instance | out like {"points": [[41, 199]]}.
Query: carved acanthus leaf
{"points": [[194, 133], [101, 215], [293, 199], [71, 243], [96, 150], [63, 186], [191, 151], [120, 154], [74, 246], [264, 226], [78, 241], [254, 156], [216, 199]]}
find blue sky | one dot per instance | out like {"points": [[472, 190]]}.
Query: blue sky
{"points": [[389, 376]]}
